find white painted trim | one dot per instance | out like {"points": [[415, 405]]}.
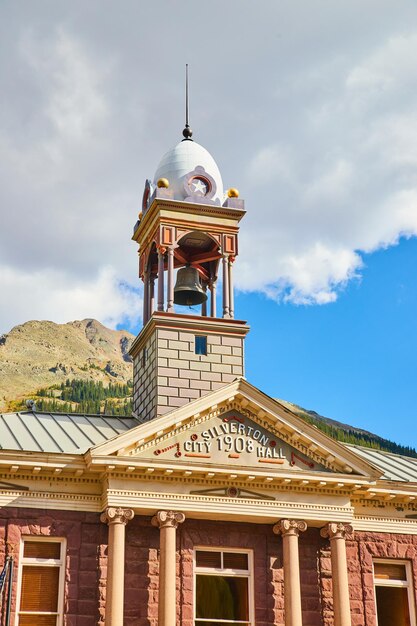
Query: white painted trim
{"points": [[47, 500], [225, 508], [249, 574], [385, 525], [61, 563], [408, 584]]}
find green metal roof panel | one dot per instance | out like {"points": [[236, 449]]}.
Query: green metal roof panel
{"points": [[69, 433], [394, 466]]}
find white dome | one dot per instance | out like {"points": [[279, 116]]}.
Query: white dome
{"points": [[184, 159]]}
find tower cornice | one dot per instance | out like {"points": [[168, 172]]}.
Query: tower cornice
{"points": [[187, 213], [191, 323]]}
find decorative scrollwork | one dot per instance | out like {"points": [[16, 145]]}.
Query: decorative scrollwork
{"points": [[336, 530], [117, 515], [290, 527], [168, 519]]}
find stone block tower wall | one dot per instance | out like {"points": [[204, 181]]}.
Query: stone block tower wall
{"points": [[167, 371], [145, 380], [187, 234]]}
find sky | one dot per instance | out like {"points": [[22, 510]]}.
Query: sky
{"points": [[309, 108]]}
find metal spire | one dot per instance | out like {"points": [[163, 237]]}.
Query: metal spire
{"points": [[187, 132]]}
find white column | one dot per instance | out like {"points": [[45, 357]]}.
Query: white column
{"points": [[290, 530], [151, 294], [116, 518], [213, 298], [336, 533], [170, 294], [226, 312], [161, 268], [204, 304], [167, 521], [231, 292], [145, 297]]}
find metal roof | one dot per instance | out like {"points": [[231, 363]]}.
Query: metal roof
{"points": [[69, 433], [394, 466], [75, 433]]}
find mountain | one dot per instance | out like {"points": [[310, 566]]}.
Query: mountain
{"points": [[83, 366], [349, 434], [39, 354]]}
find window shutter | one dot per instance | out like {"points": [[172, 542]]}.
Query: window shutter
{"points": [[42, 550], [39, 589], [390, 571], [37, 620]]}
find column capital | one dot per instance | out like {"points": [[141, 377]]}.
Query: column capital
{"points": [[117, 515], [336, 530], [168, 519], [289, 527]]}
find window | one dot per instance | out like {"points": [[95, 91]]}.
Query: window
{"points": [[393, 593], [200, 344], [144, 357], [223, 588], [41, 582]]}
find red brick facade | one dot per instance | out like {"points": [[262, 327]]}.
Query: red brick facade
{"points": [[85, 580], [85, 563]]}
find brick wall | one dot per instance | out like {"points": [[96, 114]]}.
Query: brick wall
{"points": [[145, 379], [360, 552], [86, 566], [174, 375], [141, 573], [86, 557]]}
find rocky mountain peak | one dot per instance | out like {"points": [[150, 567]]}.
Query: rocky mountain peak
{"points": [[42, 353]]}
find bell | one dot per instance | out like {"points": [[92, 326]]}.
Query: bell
{"points": [[188, 290]]}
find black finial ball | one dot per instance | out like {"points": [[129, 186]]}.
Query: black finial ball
{"points": [[187, 132]]}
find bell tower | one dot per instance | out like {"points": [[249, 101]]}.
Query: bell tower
{"points": [[187, 232]]}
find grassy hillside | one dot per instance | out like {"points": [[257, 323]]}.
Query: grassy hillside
{"points": [[41, 354], [81, 396], [349, 434]]}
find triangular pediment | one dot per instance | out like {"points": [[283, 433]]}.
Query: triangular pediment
{"points": [[231, 437], [236, 427]]}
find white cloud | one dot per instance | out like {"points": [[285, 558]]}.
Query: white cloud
{"points": [[350, 188], [60, 297], [316, 125], [391, 67], [270, 165]]}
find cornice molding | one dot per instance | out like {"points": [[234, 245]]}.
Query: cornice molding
{"points": [[193, 323], [205, 506], [58, 501], [265, 411], [300, 443], [395, 526], [193, 213]]}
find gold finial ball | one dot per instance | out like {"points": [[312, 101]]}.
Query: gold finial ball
{"points": [[140, 215], [233, 192], [163, 183]]}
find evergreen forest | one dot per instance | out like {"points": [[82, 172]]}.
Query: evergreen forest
{"points": [[355, 436], [80, 396], [86, 396]]}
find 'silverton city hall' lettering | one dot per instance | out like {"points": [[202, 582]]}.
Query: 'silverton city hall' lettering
{"points": [[233, 435]]}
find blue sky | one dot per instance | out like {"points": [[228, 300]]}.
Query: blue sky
{"points": [[354, 360], [308, 107]]}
